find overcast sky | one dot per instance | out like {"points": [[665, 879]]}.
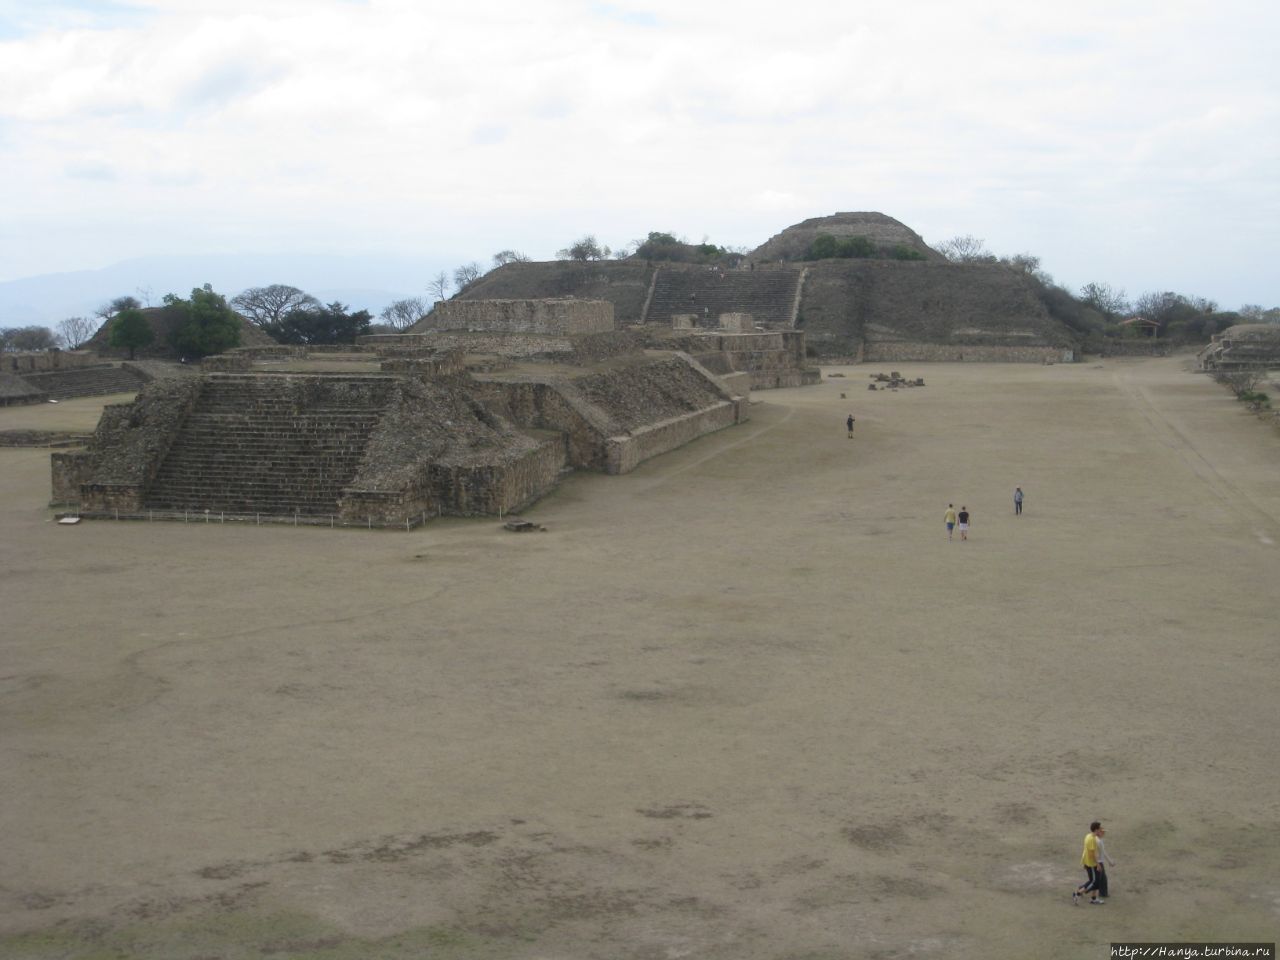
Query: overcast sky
{"points": [[1126, 142]]}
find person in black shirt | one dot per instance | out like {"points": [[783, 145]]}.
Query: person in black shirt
{"points": [[964, 523]]}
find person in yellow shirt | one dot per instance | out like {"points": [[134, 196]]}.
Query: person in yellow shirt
{"points": [[1092, 866], [949, 518]]}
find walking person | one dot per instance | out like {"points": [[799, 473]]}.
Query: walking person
{"points": [[1089, 860], [849, 424], [1104, 861], [949, 518], [1017, 501], [964, 523]]}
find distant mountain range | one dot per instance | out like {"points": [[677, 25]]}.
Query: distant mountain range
{"points": [[364, 282]]}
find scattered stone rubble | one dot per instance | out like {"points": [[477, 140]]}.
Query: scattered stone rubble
{"points": [[892, 381]]}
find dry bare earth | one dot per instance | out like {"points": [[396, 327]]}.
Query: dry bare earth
{"points": [[746, 702]]}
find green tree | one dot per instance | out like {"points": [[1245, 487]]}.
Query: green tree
{"points": [[823, 247], [130, 330], [827, 247], [202, 325], [331, 323]]}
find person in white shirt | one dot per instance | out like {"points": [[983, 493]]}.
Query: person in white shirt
{"points": [[1104, 860]]}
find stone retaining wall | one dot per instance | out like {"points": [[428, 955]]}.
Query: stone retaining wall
{"points": [[885, 351], [739, 384], [553, 317], [227, 363], [624, 453], [47, 360], [558, 407], [128, 446], [437, 363], [463, 490]]}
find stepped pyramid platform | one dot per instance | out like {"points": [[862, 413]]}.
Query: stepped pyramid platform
{"points": [[423, 439], [269, 444], [770, 295], [93, 381]]}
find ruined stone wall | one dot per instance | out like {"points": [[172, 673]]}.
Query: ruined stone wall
{"points": [[553, 406], [503, 487], [739, 384], [276, 351], [46, 360], [773, 359], [553, 317], [227, 363], [439, 449], [641, 394], [623, 283], [438, 489], [577, 349], [438, 363], [624, 453], [847, 301], [614, 419], [127, 448], [906, 352], [735, 323], [68, 470]]}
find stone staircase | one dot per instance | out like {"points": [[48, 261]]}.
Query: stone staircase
{"points": [[269, 445], [86, 381], [769, 295]]}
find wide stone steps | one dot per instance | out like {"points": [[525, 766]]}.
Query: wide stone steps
{"points": [[270, 446], [85, 382]]}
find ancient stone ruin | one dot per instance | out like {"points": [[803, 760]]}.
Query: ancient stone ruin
{"points": [[478, 412], [1241, 346], [63, 375], [883, 309]]}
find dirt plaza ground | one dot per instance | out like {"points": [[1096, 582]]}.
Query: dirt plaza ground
{"points": [[745, 702]]}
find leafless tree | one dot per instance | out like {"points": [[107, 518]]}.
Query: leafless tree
{"points": [[1104, 298], [503, 257], [1257, 313], [467, 274], [439, 286], [402, 314], [1241, 381], [966, 249], [27, 339], [74, 332], [112, 307], [267, 306], [587, 248]]}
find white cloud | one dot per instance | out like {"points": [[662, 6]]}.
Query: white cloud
{"points": [[234, 123]]}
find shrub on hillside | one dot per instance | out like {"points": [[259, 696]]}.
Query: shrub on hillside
{"points": [[668, 248], [827, 247]]}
